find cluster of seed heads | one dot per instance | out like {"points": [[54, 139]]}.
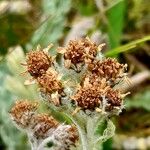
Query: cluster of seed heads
{"points": [[41, 126], [94, 89]]}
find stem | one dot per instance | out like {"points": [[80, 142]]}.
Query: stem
{"points": [[92, 123], [33, 142], [81, 131]]}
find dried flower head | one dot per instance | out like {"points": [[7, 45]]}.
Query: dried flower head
{"points": [[87, 97], [108, 68], [22, 113], [38, 62], [65, 136], [96, 93], [44, 126], [113, 98], [79, 51], [49, 82]]}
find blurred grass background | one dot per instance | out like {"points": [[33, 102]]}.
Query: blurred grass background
{"points": [[123, 25]]}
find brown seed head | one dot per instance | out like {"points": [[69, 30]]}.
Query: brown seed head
{"points": [[22, 113], [88, 97], [44, 124], [49, 83], [108, 68], [92, 92], [38, 63], [113, 98], [79, 50]]}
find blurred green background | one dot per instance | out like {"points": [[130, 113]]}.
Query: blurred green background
{"points": [[123, 25]]}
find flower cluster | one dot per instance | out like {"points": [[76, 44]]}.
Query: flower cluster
{"points": [[96, 93], [79, 81], [39, 65], [42, 126]]}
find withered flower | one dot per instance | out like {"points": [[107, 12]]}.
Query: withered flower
{"points": [[89, 95], [38, 62], [44, 126], [95, 94], [87, 98], [50, 86], [78, 52], [108, 68], [22, 113], [49, 82], [113, 98]]}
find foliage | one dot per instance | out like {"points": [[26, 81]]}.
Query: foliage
{"points": [[139, 100]]}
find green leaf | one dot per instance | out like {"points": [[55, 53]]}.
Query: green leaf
{"points": [[52, 28], [115, 18], [140, 100], [127, 47], [107, 133]]}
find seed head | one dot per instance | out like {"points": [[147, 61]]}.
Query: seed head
{"points": [[108, 68], [92, 93], [38, 62], [113, 99], [44, 126], [80, 51], [49, 83], [22, 113], [87, 98]]}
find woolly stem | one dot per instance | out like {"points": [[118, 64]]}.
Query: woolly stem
{"points": [[81, 131], [32, 141]]}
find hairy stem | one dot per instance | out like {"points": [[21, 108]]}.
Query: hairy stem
{"points": [[81, 131]]}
